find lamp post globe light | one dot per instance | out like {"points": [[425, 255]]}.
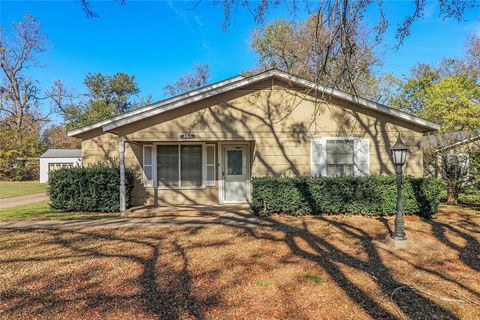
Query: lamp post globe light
{"points": [[399, 155]]}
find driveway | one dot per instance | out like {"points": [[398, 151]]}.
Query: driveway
{"points": [[21, 200]]}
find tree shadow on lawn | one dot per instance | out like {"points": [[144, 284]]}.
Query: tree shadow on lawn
{"points": [[172, 299], [166, 288], [470, 252]]}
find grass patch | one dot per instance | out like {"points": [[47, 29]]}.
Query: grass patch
{"points": [[263, 283], [10, 189], [470, 196], [313, 278], [256, 255], [43, 211]]}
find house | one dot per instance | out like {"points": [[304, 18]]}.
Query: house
{"points": [[203, 147], [54, 159], [458, 146]]}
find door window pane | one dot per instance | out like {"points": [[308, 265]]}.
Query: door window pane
{"points": [[234, 162], [167, 165], [191, 165]]}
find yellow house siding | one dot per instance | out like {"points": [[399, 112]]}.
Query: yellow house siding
{"points": [[279, 122]]}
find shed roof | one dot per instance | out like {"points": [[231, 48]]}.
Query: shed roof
{"points": [[62, 153]]}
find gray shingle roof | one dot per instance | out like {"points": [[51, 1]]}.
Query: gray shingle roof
{"points": [[62, 153]]}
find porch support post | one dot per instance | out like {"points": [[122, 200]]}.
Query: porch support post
{"points": [[121, 149]]}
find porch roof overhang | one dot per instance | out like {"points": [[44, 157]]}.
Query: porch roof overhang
{"points": [[239, 82]]}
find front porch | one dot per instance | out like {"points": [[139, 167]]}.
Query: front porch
{"points": [[171, 174]]}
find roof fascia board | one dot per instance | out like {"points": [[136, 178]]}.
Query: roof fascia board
{"points": [[100, 124]]}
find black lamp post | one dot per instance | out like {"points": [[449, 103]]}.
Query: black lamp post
{"points": [[399, 155]]}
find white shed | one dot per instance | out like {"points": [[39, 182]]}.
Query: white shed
{"points": [[54, 159]]}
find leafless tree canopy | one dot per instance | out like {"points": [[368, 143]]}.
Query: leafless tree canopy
{"points": [[189, 81], [19, 94]]}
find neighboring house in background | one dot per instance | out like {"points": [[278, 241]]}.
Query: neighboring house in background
{"points": [[204, 146], [457, 144], [54, 159]]}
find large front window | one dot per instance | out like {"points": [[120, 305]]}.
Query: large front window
{"points": [[181, 165]]}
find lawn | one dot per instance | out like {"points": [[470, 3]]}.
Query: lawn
{"points": [[42, 211], [470, 196], [324, 267], [13, 189]]}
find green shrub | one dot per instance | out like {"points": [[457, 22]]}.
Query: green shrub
{"points": [[25, 172], [90, 189], [373, 195]]}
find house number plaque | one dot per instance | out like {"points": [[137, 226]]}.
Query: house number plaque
{"points": [[187, 136]]}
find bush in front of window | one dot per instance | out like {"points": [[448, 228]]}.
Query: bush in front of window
{"points": [[89, 189], [373, 195]]}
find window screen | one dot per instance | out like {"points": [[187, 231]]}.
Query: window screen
{"points": [[191, 165], [168, 165], [340, 157]]}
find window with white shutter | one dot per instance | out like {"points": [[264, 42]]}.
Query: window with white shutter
{"points": [[340, 156]]}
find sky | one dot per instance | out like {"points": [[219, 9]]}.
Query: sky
{"points": [[157, 41]]}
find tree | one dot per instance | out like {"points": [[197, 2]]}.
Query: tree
{"points": [[19, 94], [454, 103], [107, 96], [312, 49], [413, 89], [473, 55], [189, 81], [56, 137], [20, 117]]}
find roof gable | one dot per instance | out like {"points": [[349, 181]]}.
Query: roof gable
{"points": [[240, 82]]}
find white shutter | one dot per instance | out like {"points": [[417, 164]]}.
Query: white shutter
{"points": [[318, 159], [362, 157], [147, 165], [210, 165]]}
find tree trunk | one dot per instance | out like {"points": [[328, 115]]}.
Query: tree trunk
{"points": [[452, 196]]}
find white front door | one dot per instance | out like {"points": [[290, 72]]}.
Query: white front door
{"points": [[235, 170]]}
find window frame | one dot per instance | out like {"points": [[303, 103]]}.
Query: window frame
{"points": [[466, 163], [179, 143], [322, 141]]}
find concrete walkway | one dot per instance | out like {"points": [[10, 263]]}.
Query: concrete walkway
{"points": [[21, 200], [164, 218]]}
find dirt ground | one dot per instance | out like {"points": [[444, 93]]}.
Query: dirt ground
{"points": [[322, 267]]}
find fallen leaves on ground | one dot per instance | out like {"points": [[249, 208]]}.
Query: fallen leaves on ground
{"points": [[317, 267]]}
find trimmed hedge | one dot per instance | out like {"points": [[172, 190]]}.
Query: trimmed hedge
{"points": [[373, 195], [90, 189]]}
